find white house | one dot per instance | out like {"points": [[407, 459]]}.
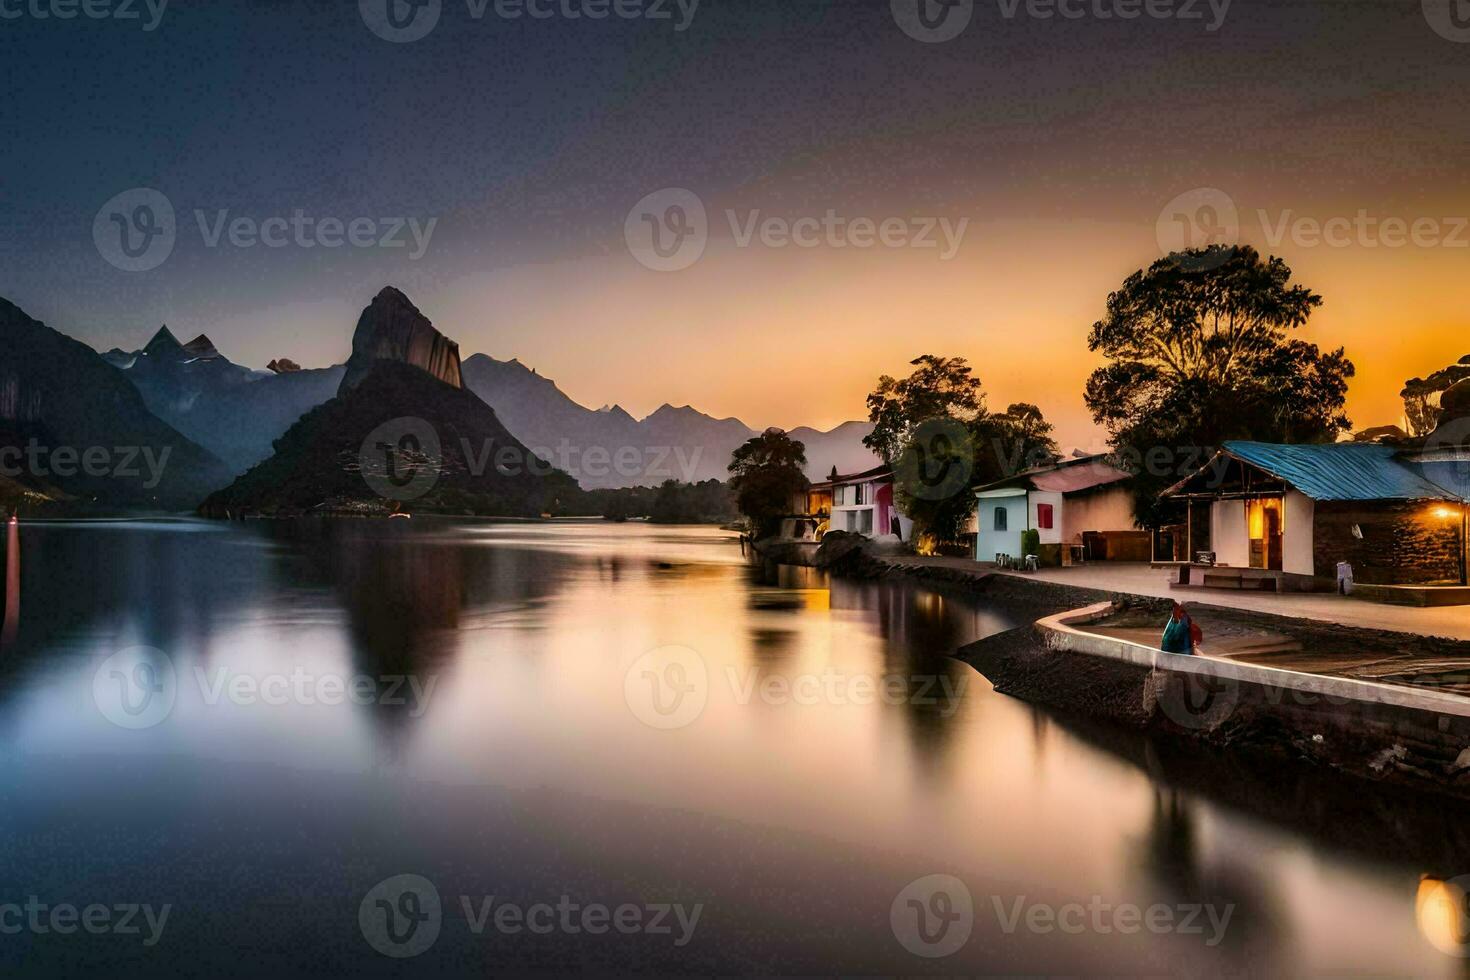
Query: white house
{"points": [[863, 504], [1081, 508]]}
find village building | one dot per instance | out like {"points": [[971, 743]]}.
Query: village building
{"points": [[1300, 517], [860, 503], [1081, 508]]}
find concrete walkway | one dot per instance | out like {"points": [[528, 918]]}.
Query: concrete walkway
{"points": [[1141, 579]]}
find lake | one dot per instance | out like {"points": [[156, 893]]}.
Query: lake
{"points": [[444, 749]]}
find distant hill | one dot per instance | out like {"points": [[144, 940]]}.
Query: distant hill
{"points": [[397, 437], [672, 443], [75, 432]]}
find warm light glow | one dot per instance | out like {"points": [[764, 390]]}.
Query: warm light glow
{"points": [[1440, 908], [1443, 513]]}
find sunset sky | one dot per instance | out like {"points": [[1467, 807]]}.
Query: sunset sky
{"points": [[1059, 141]]}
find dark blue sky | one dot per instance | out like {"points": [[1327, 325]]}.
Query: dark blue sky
{"points": [[528, 141]]}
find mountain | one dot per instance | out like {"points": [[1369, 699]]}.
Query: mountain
{"points": [[172, 377], [841, 447], [610, 448], [397, 436], [393, 329], [74, 431], [239, 423]]}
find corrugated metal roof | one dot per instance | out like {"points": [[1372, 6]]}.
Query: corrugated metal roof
{"points": [[1341, 470]]}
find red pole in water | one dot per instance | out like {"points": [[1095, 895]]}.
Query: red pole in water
{"points": [[12, 582]]}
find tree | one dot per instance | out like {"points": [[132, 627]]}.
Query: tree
{"points": [[1421, 395], [1201, 351], [766, 477], [940, 388], [933, 429]]}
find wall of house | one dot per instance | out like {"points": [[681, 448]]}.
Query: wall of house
{"points": [[1403, 543], [1297, 533], [1110, 509], [1228, 533], [988, 541], [1053, 534]]}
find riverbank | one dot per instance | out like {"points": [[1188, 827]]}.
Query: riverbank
{"points": [[1378, 704]]}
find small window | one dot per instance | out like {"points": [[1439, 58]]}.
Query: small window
{"points": [[858, 490], [1043, 516], [1000, 518]]}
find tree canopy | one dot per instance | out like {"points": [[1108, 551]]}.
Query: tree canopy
{"points": [[1200, 351], [766, 477], [1421, 395], [934, 430]]}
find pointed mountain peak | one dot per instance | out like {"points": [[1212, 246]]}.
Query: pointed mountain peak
{"points": [[163, 342], [201, 347], [391, 328]]}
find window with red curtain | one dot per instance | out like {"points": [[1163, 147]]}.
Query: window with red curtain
{"points": [[1043, 515]]}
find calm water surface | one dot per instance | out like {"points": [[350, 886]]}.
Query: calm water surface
{"points": [[615, 715]]}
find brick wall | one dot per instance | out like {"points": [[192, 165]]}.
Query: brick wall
{"points": [[1402, 543]]}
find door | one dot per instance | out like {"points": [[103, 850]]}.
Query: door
{"points": [[1263, 527]]}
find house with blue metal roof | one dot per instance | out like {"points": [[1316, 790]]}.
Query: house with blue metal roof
{"points": [[1292, 516]]}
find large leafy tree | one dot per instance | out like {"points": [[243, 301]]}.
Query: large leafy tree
{"points": [[933, 428], [766, 477], [1421, 395], [1200, 350], [938, 388]]}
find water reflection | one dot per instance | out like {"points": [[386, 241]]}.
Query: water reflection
{"points": [[11, 626], [841, 754]]}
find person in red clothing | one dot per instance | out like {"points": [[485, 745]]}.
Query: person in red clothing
{"points": [[1181, 634]]}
